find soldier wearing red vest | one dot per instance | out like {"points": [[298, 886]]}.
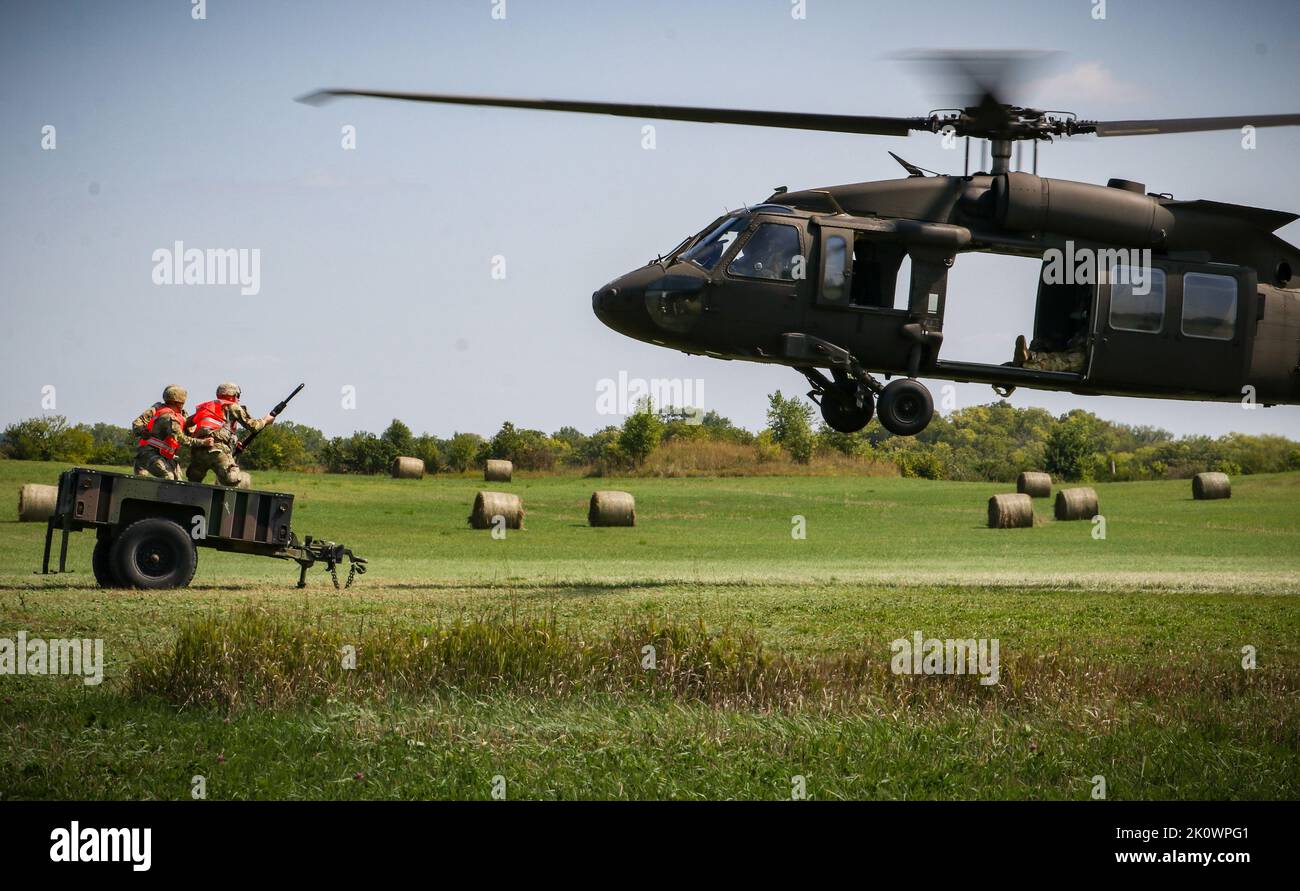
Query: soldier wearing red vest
{"points": [[220, 420], [160, 434]]}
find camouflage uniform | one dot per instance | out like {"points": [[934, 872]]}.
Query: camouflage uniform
{"points": [[1067, 360], [220, 457], [148, 460], [1073, 358]]}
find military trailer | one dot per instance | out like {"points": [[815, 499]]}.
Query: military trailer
{"points": [[148, 531]]}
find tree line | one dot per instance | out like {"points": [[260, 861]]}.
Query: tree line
{"points": [[991, 442]]}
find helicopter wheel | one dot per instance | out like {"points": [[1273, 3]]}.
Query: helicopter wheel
{"points": [[842, 414], [905, 407]]}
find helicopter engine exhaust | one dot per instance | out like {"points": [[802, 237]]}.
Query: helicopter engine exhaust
{"points": [[1114, 214]]}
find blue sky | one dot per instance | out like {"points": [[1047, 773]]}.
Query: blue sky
{"points": [[376, 263]]}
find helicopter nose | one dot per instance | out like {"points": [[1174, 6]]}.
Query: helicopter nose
{"points": [[621, 304], [649, 305]]}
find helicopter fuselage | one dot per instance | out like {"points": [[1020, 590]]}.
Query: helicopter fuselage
{"points": [[1150, 296]]}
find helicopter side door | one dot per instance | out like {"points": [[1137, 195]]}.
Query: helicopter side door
{"points": [[859, 306], [1187, 330]]}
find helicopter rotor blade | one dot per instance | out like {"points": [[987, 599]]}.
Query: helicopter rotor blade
{"points": [[1185, 125], [974, 78], [795, 120]]}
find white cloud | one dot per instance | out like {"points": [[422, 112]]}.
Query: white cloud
{"points": [[1088, 82]]}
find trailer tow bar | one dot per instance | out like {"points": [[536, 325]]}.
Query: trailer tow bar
{"points": [[312, 551]]}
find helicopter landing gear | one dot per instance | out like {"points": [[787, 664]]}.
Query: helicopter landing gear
{"points": [[847, 402], [905, 407]]}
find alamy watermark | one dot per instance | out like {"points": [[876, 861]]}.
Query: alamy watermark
{"points": [[1093, 266], [179, 265], [621, 396], [37, 656], [922, 655]]}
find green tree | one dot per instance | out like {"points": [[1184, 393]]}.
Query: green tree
{"points": [[47, 439], [399, 436], [112, 445], [462, 451], [427, 449], [641, 433], [790, 421], [277, 447], [361, 452], [1070, 445]]}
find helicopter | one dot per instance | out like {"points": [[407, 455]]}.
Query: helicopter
{"points": [[1185, 299]]}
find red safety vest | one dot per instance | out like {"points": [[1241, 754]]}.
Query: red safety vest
{"points": [[212, 415], [171, 444]]}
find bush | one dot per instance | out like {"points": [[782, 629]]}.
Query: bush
{"points": [[526, 449], [361, 452], [929, 462], [112, 445], [47, 439], [281, 446]]}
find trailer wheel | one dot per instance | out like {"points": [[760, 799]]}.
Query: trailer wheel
{"points": [[102, 565], [153, 553]]}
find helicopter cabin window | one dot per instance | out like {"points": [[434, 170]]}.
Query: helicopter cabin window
{"points": [[1137, 299], [1209, 306], [771, 252], [876, 268], [834, 268]]}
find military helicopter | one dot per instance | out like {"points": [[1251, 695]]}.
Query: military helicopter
{"points": [[1210, 311]]}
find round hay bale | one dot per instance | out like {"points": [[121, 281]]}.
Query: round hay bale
{"points": [[492, 504], [407, 469], [1011, 511], [1076, 504], [36, 502], [611, 508], [496, 471], [1034, 484], [1207, 486]]}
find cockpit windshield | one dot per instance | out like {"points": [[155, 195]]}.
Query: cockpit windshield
{"points": [[709, 250]]}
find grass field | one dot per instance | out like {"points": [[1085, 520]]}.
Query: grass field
{"points": [[519, 658]]}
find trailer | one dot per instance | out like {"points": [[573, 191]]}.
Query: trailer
{"points": [[148, 530]]}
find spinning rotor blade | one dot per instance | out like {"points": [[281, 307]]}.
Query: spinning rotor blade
{"points": [[794, 120], [973, 78], [1185, 125]]}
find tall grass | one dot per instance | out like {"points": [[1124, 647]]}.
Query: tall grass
{"points": [[254, 657], [704, 457]]}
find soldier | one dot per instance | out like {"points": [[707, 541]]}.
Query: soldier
{"points": [[1072, 358], [160, 431], [218, 419]]}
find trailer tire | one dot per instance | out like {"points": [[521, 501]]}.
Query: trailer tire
{"points": [[101, 564], [153, 553]]}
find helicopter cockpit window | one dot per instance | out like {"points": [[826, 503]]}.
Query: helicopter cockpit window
{"points": [[1137, 299], [709, 250], [1209, 305], [771, 252]]}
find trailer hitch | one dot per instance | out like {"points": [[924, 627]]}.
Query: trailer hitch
{"points": [[313, 551]]}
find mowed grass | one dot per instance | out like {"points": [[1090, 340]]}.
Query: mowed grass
{"points": [[1126, 649]]}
